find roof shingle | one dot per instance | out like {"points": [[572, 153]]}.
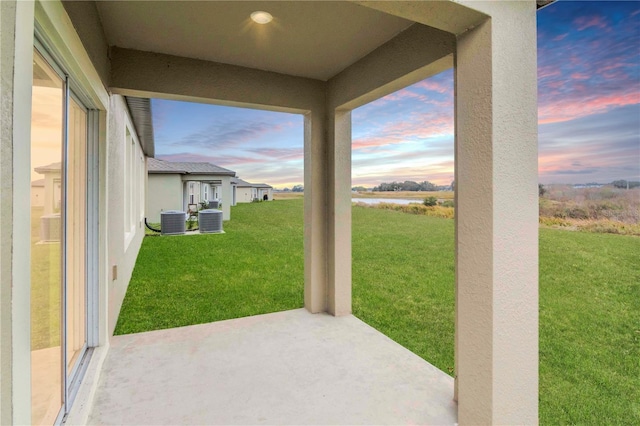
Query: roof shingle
{"points": [[159, 166]]}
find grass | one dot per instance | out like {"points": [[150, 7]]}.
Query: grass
{"points": [[411, 195], [250, 269], [403, 285], [440, 211], [288, 195], [45, 288], [589, 328], [410, 298]]}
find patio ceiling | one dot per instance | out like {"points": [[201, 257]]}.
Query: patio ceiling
{"points": [[306, 39]]}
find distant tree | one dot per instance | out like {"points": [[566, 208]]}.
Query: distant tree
{"points": [[541, 190], [407, 185], [297, 188], [359, 188], [428, 186], [453, 185], [286, 190], [625, 184]]}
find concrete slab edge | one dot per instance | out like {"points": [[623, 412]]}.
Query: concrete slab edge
{"points": [[81, 409]]}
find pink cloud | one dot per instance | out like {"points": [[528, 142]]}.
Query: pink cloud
{"points": [[282, 154], [419, 126], [579, 107], [434, 86], [584, 22], [549, 71], [580, 76]]}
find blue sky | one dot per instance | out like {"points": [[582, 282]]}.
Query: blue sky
{"points": [[588, 112]]}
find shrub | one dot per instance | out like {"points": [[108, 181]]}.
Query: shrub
{"points": [[576, 212], [430, 201]]}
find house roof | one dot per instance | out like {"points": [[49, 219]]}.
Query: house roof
{"points": [[543, 3], [38, 182], [243, 183], [53, 167], [186, 168], [240, 182]]}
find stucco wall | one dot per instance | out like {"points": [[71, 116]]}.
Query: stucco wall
{"points": [[16, 38], [243, 194], [165, 193], [122, 256]]}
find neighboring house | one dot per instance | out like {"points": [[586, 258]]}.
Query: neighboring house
{"points": [[52, 188], [104, 60], [264, 192], [245, 192], [37, 193], [181, 185]]}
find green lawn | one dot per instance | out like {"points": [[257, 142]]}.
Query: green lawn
{"points": [[45, 288], [403, 285], [255, 267]]}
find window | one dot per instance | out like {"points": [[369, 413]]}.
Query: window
{"points": [[142, 186], [206, 192], [133, 190], [128, 140]]}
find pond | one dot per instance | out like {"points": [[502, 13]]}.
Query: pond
{"points": [[385, 200]]}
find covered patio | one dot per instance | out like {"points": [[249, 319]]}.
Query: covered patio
{"points": [[286, 368], [321, 60]]}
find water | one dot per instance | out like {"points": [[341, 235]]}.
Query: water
{"points": [[403, 201]]}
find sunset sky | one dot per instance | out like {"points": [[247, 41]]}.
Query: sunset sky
{"points": [[588, 114]]}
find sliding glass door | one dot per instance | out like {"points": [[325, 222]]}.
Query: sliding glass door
{"points": [[47, 142], [76, 235], [58, 239]]}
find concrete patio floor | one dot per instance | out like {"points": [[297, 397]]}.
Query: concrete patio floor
{"points": [[289, 367]]}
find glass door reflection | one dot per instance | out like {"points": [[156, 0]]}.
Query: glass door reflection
{"points": [[58, 240], [46, 231], [76, 220]]}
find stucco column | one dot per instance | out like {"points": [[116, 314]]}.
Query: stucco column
{"points": [[339, 213], [16, 70], [497, 217], [227, 197], [315, 209]]}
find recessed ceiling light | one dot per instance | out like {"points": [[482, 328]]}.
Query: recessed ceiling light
{"points": [[260, 17]]}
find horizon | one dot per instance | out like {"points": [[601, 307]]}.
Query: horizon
{"points": [[588, 115]]}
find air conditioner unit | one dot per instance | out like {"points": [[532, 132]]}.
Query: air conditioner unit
{"points": [[172, 222], [50, 228], [214, 204], [210, 221]]}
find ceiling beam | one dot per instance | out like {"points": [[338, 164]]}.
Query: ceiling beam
{"points": [[86, 21], [154, 75], [415, 54], [448, 16]]}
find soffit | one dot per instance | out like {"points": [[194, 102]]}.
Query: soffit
{"points": [[140, 110], [306, 38]]}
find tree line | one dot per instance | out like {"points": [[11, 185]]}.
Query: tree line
{"points": [[625, 184], [409, 185]]}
